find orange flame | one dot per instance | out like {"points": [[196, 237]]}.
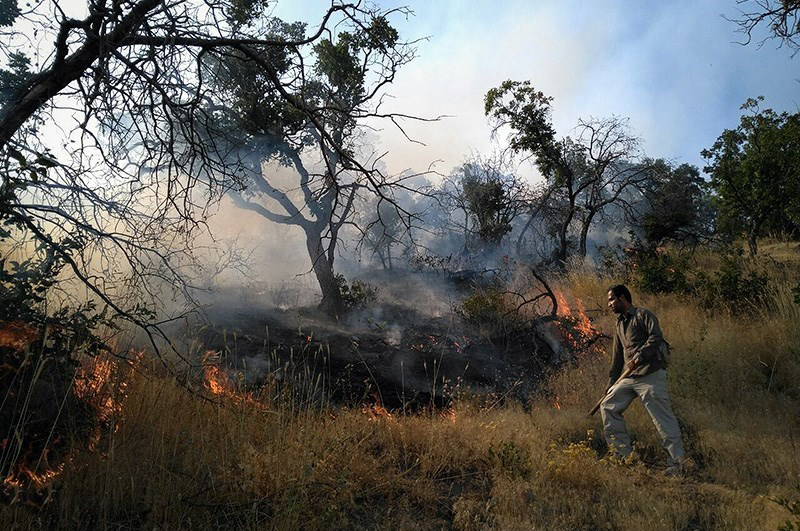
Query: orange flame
{"points": [[581, 330], [216, 380], [95, 384]]}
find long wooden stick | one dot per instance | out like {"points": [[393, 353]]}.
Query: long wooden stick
{"points": [[625, 374]]}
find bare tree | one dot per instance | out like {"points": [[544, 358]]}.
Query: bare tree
{"points": [[782, 17]]}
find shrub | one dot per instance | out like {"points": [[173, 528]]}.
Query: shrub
{"points": [[655, 270], [483, 306], [733, 287], [357, 293]]}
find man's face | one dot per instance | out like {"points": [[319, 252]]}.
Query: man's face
{"points": [[617, 304]]}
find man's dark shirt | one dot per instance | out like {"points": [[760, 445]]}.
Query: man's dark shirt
{"points": [[637, 332]]}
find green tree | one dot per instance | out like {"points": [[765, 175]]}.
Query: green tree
{"points": [[264, 129], [679, 207], [600, 167], [755, 172]]}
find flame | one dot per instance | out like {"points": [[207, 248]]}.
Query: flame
{"points": [[563, 308], [580, 332], [218, 383], [449, 414], [97, 383], [376, 409], [94, 385], [584, 325], [216, 380], [557, 403]]}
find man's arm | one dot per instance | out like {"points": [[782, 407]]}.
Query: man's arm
{"points": [[617, 359], [648, 352]]}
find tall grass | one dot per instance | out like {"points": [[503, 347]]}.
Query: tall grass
{"points": [[180, 461]]}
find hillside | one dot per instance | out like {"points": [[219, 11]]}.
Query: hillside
{"points": [[175, 459]]}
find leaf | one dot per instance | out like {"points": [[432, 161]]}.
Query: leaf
{"points": [[17, 155]]}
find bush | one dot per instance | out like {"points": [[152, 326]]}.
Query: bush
{"points": [[356, 294], [483, 306], [733, 287], [655, 270]]}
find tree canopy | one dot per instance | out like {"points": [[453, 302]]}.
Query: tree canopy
{"points": [[755, 172]]}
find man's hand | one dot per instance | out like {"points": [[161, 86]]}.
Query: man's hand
{"points": [[634, 362]]}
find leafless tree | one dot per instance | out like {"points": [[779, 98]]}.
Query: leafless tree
{"points": [[782, 17]]}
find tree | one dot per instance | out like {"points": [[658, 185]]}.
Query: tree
{"points": [[141, 156], [482, 198], [585, 175], [755, 172], [679, 209], [267, 132], [781, 16]]}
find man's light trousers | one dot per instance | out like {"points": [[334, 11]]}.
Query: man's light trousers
{"points": [[654, 392]]}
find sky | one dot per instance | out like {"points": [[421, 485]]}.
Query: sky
{"points": [[674, 68]]}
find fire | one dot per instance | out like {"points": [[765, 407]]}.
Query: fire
{"points": [[100, 384], [216, 380], [563, 308], [584, 325], [449, 414], [94, 385], [218, 383], [579, 330], [376, 409]]}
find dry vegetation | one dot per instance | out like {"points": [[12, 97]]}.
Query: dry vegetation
{"points": [[178, 461]]}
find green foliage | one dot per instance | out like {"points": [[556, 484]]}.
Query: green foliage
{"points": [[15, 76], [511, 459], [733, 286], [484, 306], [356, 294], [488, 202], [755, 173], [9, 11], [654, 270], [738, 286], [679, 209], [241, 12], [527, 112]]}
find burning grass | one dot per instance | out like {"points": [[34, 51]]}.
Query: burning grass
{"points": [[224, 459]]}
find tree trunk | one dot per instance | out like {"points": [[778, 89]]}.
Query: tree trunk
{"points": [[582, 250], [332, 303], [752, 240]]}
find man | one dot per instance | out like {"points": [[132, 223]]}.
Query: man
{"points": [[640, 347]]}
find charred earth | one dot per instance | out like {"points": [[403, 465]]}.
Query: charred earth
{"points": [[389, 354]]}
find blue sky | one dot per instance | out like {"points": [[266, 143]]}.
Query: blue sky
{"points": [[673, 68]]}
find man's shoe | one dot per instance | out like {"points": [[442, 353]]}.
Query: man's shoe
{"points": [[682, 468]]}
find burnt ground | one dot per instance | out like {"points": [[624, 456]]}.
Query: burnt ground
{"points": [[386, 353]]}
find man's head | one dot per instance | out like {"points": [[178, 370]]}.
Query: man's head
{"points": [[619, 299]]}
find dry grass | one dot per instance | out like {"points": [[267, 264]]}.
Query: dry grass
{"points": [[178, 461]]}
